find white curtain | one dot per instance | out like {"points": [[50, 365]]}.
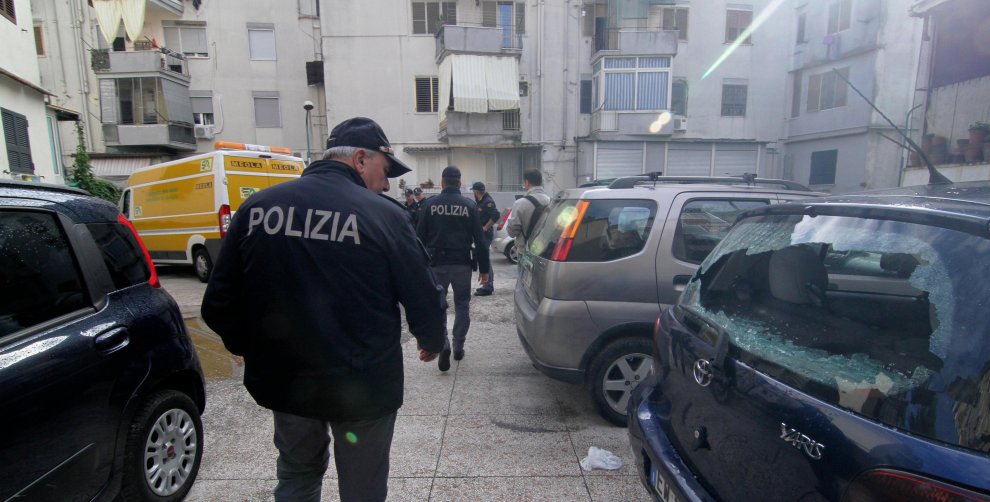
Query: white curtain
{"points": [[502, 81], [133, 13], [444, 89], [108, 14], [483, 83]]}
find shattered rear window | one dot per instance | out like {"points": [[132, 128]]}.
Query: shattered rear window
{"points": [[884, 318]]}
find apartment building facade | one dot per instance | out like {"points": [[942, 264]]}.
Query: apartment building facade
{"points": [[30, 133], [835, 141], [199, 72]]}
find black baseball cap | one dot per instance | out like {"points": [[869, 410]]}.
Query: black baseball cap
{"points": [[363, 132], [408, 192], [479, 186], [451, 172], [417, 191]]}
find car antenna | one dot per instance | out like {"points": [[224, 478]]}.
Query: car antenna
{"points": [[654, 176], [934, 176], [749, 178]]}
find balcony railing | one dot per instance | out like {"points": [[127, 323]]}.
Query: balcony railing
{"points": [[162, 59], [604, 121], [510, 120], [476, 39]]}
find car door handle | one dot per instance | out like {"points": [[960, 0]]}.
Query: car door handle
{"points": [[680, 281], [111, 339]]}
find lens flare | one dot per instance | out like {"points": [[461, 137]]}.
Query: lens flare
{"points": [[662, 119], [759, 20], [351, 437]]}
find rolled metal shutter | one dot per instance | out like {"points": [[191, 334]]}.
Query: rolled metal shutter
{"points": [[735, 159], [618, 159], [689, 159]]}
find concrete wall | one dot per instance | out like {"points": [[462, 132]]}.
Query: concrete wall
{"points": [[20, 59], [850, 175]]}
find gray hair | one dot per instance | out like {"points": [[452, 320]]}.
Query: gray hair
{"points": [[345, 152]]}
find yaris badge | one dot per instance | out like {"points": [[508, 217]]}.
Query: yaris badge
{"points": [[802, 442], [703, 372]]}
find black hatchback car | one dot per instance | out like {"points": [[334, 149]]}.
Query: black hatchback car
{"points": [[100, 388], [830, 349]]}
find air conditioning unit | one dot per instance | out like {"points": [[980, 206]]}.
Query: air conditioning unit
{"points": [[203, 131], [680, 124]]}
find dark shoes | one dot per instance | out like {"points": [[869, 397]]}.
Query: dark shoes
{"points": [[482, 292], [444, 362], [459, 354]]}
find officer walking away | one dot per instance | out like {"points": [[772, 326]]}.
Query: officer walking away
{"points": [[488, 216], [525, 211], [306, 288], [448, 226]]}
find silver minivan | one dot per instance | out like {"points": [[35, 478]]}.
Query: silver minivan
{"points": [[606, 261]]}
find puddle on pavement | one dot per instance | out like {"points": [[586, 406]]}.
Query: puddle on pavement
{"points": [[218, 364]]}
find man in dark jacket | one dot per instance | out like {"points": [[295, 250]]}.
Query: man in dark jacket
{"points": [[306, 288], [448, 226], [488, 216]]}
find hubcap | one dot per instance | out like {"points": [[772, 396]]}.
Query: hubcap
{"points": [[622, 376], [170, 452], [201, 266], [512, 255]]}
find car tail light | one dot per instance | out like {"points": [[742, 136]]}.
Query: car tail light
{"points": [[563, 247], [153, 278], [882, 485], [224, 217], [505, 218]]}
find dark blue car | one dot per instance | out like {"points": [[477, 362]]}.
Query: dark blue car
{"points": [[100, 388], [833, 349]]}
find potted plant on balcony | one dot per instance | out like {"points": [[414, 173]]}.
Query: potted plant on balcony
{"points": [[426, 184], [978, 132]]}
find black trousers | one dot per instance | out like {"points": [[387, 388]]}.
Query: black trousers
{"points": [[360, 451]]}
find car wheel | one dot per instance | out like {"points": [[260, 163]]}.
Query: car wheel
{"points": [[203, 264], [510, 253], [617, 370], [164, 448]]}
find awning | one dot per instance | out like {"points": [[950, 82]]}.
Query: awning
{"points": [[116, 167], [63, 114], [481, 84], [25, 82]]}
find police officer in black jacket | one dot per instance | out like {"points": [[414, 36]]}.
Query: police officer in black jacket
{"points": [[306, 288], [488, 216], [448, 226]]}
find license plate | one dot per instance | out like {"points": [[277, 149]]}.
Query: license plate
{"points": [[661, 486]]}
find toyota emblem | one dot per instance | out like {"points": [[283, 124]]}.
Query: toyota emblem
{"points": [[703, 372]]}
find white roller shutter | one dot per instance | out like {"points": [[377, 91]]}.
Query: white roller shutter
{"points": [[689, 159], [616, 160], [733, 160]]}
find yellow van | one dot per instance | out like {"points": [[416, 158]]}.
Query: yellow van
{"points": [[182, 208]]}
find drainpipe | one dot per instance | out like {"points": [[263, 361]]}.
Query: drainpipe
{"points": [[567, 75], [77, 23], [539, 66]]}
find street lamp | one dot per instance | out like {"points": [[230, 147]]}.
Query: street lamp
{"points": [[308, 106]]}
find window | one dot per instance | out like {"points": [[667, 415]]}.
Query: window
{"points": [[261, 41], [827, 90], [122, 254], [801, 23], [704, 223], [839, 15], [796, 95], [189, 38], [15, 134], [679, 96], [632, 83], [610, 229], [39, 39], [426, 94], [823, 167], [267, 112], [734, 100], [130, 100], [675, 18], [428, 17], [202, 107], [510, 17], [586, 96], [736, 22], [39, 280], [7, 10]]}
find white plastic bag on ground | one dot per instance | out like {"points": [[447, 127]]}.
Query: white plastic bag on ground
{"points": [[600, 459]]}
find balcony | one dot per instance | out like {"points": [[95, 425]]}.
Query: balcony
{"points": [[619, 124], [469, 129], [140, 63], [466, 39], [635, 43], [135, 137]]}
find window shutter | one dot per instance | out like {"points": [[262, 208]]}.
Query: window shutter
{"points": [[450, 13], [841, 87], [814, 92], [586, 96], [15, 132], [678, 102], [419, 18], [823, 167], [521, 18], [489, 19], [7, 9], [425, 94], [682, 24]]}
